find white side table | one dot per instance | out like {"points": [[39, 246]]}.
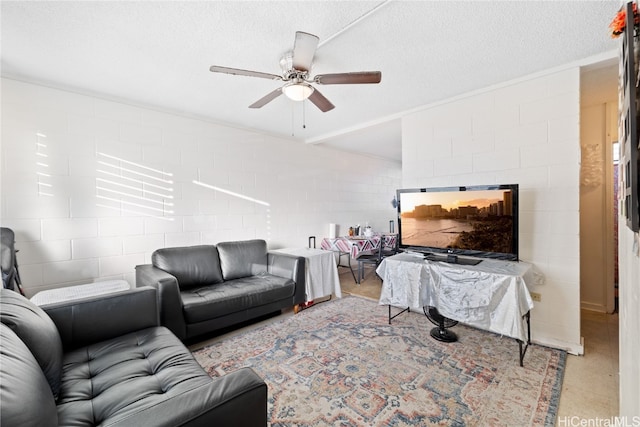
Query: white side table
{"points": [[321, 273], [79, 291]]}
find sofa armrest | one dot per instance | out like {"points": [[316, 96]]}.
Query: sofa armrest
{"points": [[237, 399], [88, 320], [169, 299], [291, 267]]}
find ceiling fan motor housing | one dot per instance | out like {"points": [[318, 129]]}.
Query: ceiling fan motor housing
{"points": [[290, 73]]}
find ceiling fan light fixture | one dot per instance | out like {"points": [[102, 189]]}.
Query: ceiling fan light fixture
{"points": [[297, 91]]}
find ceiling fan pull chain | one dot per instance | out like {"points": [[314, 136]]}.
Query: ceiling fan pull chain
{"points": [[304, 115]]}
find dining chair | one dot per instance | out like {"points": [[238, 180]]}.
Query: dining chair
{"points": [[374, 259], [392, 250]]}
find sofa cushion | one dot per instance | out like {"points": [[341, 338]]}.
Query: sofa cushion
{"points": [[25, 395], [192, 266], [242, 259], [209, 302], [116, 378], [38, 332]]}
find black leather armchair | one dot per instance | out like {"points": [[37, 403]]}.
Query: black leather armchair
{"points": [[105, 361]]}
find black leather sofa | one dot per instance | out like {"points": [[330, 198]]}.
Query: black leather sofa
{"points": [[105, 361], [205, 288]]}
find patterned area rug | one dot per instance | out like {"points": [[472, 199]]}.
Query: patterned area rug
{"points": [[340, 363]]}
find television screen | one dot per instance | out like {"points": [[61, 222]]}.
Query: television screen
{"points": [[478, 220]]}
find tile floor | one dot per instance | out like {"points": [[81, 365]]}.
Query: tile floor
{"points": [[591, 382]]}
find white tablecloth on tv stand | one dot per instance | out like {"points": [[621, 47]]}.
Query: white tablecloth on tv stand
{"points": [[492, 295]]}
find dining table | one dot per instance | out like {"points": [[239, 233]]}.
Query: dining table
{"points": [[356, 246]]}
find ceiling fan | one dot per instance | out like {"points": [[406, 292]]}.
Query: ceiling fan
{"points": [[296, 67]]}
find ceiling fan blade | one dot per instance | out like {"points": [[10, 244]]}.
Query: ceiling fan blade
{"points": [[320, 101], [267, 98], [304, 48], [239, 72], [360, 77]]}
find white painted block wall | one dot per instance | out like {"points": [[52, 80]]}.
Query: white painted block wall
{"points": [[67, 239], [524, 133], [629, 322]]}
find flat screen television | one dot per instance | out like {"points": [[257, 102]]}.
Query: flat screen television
{"points": [[479, 221]]}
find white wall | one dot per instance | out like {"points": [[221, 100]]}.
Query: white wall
{"points": [[525, 133], [629, 320], [66, 238]]}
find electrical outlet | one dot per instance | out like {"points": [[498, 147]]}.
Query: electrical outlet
{"points": [[536, 296]]}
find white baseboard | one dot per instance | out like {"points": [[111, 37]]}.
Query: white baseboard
{"points": [[571, 348], [593, 307]]}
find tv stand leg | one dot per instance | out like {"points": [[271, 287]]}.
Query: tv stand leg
{"points": [[523, 350], [408, 310]]}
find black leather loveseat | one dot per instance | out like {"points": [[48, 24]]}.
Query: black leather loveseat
{"points": [[206, 288], [105, 361]]}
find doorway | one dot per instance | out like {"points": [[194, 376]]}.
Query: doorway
{"points": [[598, 194]]}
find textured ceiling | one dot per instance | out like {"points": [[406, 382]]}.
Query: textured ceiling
{"points": [[158, 54]]}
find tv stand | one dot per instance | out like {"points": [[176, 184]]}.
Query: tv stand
{"points": [[492, 295]]}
